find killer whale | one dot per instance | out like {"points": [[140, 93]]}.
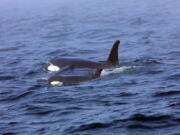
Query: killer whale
{"points": [[67, 80], [62, 64]]}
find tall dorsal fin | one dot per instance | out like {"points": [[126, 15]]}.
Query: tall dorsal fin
{"points": [[113, 56], [97, 74]]}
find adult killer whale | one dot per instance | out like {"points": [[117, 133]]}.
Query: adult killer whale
{"points": [[67, 80], [62, 64]]}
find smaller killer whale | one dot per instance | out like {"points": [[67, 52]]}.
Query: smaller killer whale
{"points": [[67, 80], [62, 64]]}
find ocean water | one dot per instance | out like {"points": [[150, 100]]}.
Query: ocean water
{"points": [[142, 101]]}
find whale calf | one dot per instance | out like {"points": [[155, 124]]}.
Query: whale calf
{"points": [[59, 80], [62, 64]]}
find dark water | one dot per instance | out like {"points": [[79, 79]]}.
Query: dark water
{"points": [[144, 101]]}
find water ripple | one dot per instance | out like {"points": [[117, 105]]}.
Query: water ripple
{"points": [[174, 77], [15, 97], [148, 61], [168, 93], [3, 78], [39, 110], [92, 126], [135, 121]]}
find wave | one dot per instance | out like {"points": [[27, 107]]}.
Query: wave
{"points": [[167, 93], [135, 121], [3, 78], [173, 77], [16, 96]]}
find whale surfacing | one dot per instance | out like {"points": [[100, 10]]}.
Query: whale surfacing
{"points": [[61, 64], [67, 80]]}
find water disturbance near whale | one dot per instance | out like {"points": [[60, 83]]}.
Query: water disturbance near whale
{"points": [[117, 70]]}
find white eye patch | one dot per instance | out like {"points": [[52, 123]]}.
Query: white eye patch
{"points": [[54, 83], [53, 68]]}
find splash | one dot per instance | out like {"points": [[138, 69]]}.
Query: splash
{"points": [[116, 70]]}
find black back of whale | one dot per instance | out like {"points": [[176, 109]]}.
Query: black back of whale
{"points": [[67, 80], [112, 60]]}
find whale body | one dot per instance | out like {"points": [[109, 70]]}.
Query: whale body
{"points": [[67, 80], [61, 64]]}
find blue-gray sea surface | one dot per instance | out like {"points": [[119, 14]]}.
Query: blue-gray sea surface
{"points": [[143, 101]]}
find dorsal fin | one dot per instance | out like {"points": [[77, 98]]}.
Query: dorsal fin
{"points": [[113, 56], [97, 74]]}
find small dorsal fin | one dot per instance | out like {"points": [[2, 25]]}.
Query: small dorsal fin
{"points": [[113, 56], [97, 74]]}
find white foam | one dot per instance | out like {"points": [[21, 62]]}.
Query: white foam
{"points": [[54, 83], [53, 68], [116, 70]]}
